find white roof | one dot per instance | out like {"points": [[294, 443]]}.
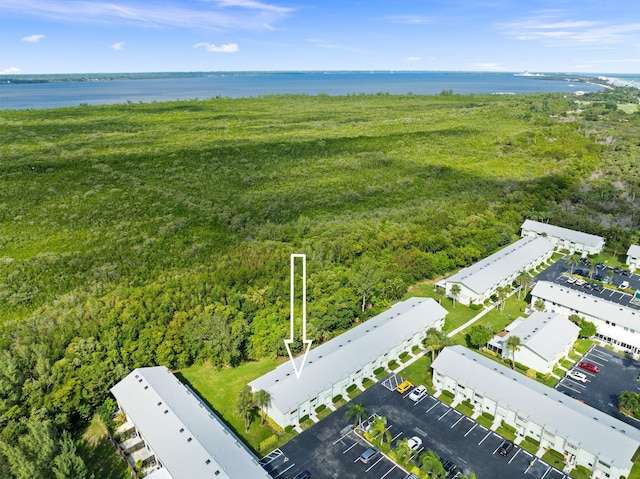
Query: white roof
{"points": [[187, 437], [546, 334], [634, 251], [351, 351], [577, 237], [612, 440], [588, 304], [485, 274]]}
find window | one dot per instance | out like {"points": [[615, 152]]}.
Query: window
{"points": [[207, 462]]}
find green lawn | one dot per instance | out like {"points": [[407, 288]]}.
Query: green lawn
{"points": [[554, 458], [513, 308], [100, 455], [458, 314], [628, 108], [220, 389], [419, 372]]}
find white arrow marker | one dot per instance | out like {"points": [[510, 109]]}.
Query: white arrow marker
{"points": [[306, 342]]}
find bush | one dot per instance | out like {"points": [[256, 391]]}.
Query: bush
{"points": [[288, 429], [447, 393], [268, 442], [337, 398], [488, 415], [475, 306], [508, 427]]}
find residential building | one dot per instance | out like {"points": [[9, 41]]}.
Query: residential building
{"points": [[348, 359], [175, 434], [633, 257], [564, 238], [584, 435], [616, 324], [545, 339], [480, 280]]}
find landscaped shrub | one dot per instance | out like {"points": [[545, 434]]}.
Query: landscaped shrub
{"points": [[508, 427], [337, 398], [268, 442], [448, 394], [488, 415]]}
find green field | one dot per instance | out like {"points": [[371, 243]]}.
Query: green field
{"points": [[143, 234]]}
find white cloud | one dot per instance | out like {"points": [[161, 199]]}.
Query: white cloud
{"points": [[33, 38], [553, 29], [224, 48], [117, 46], [488, 66], [414, 59], [10, 71], [241, 14]]}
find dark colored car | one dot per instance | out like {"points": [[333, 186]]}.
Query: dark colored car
{"points": [[578, 271], [449, 467], [303, 475], [617, 269], [592, 368], [598, 277], [505, 448], [626, 272], [599, 265]]}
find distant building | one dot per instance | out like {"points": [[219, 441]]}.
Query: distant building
{"points": [[633, 257], [480, 280], [617, 324], [175, 434], [564, 238], [348, 359], [583, 435], [545, 339]]}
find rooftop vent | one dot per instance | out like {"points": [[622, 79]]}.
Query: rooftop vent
{"points": [[181, 429], [207, 462], [190, 439]]}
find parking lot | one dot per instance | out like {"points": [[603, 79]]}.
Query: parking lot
{"points": [[329, 451], [556, 274], [617, 373]]}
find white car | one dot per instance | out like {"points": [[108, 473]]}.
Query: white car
{"points": [[571, 280], [624, 285], [414, 443], [418, 393], [580, 282], [577, 376]]}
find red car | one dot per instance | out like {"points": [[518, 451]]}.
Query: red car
{"points": [[592, 368]]}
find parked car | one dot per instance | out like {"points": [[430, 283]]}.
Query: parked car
{"points": [[403, 387], [606, 279], [599, 265], [581, 282], [626, 272], [624, 285], [617, 269], [579, 272], [577, 376], [592, 368], [369, 455], [414, 443], [303, 475], [418, 393], [571, 280], [598, 277], [598, 288], [505, 448], [449, 467]]}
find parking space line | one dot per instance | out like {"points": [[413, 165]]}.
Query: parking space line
{"points": [[472, 428], [420, 400], [397, 436], [374, 464], [349, 448], [420, 431], [546, 472], [514, 456], [530, 464], [387, 473], [429, 410], [286, 470], [456, 423], [445, 413], [488, 434]]}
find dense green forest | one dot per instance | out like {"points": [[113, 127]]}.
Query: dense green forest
{"points": [[143, 234]]}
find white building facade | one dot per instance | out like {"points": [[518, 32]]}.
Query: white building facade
{"points": [[633, 257], [480, 280], [348, 359], [545, 339], [565, 238], [584, 435], [175, 432], [616, 324]]}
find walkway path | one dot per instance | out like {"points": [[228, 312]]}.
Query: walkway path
{"points": [[471, 321]]}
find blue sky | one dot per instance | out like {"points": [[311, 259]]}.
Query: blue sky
{"points": [[79, 36]]}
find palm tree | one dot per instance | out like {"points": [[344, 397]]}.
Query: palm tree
{"points": [[434, 341], [430, 464], [573, 261], [378, 429], [455, 291], [262, 399], [523, 279], [402, 450], [438, 294], [513, 344], [357, 412], [245, 406], [502, 294], [539, 305]]}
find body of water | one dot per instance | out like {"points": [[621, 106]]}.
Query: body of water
{"points": [[238, 85]]}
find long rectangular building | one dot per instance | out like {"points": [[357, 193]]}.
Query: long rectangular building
{"points": [[564, 238], [480, 280], [584, 435], [616, 324], [348, 359], [177, 433]]}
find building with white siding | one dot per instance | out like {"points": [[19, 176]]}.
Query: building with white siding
{"points": [[480, 280], [615, 323], [348, 359], [582, 434], [564, 238], [545, 339], [633, 257], [176, 434]]}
